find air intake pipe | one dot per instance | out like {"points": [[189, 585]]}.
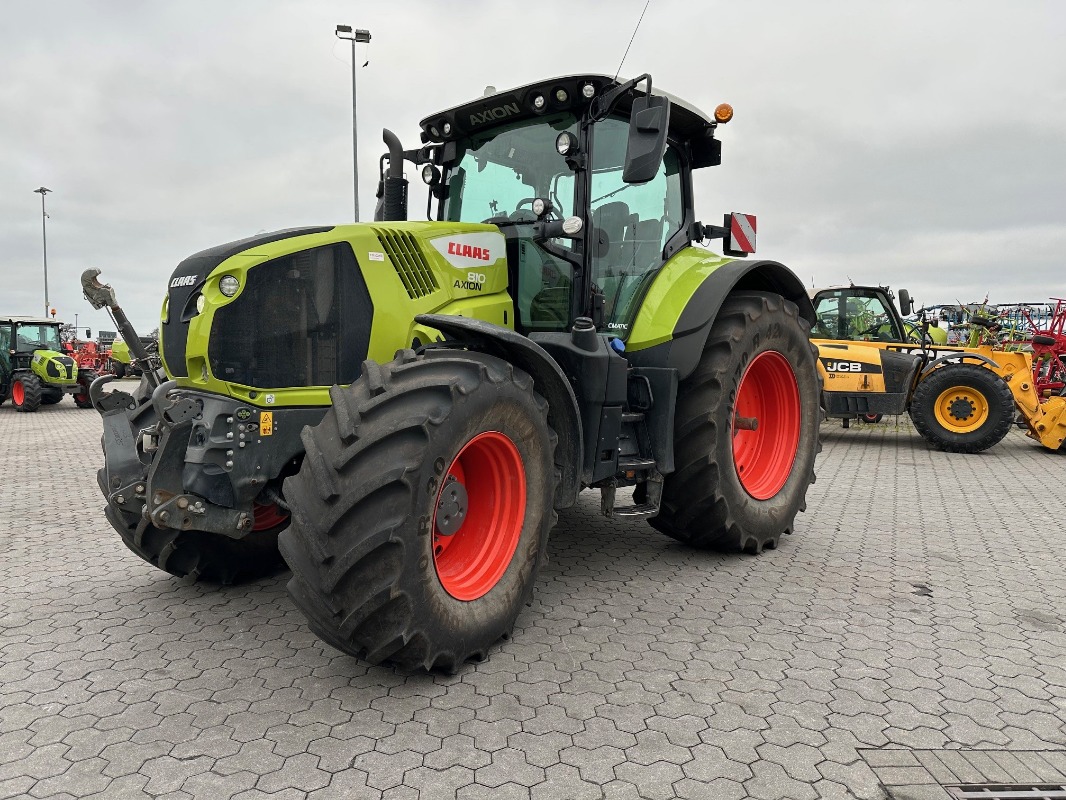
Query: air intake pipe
{"points": [[393, 185]]}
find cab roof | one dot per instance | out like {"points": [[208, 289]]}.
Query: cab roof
{"points": [[28, 320], [511, 105]]}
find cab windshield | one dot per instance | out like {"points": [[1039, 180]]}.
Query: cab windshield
{"points": [[854, 315], [37, 337], [502, 171]]}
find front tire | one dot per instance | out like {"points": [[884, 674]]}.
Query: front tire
{"points": [[198, 555], [120, 370], [85, 379], [422, 509], [26, 393], [962, 408], [739, 484]]}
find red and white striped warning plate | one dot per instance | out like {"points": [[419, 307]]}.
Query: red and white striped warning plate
{"points": [[742, 232]]}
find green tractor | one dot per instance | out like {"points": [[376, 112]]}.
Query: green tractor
{"points": [[398, 409], [35, 370], [122, 362]]}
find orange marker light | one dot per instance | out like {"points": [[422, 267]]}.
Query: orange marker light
{"points": [[723, 113]]}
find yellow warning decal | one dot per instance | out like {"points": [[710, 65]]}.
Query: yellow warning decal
{"points": [[266, 423]]}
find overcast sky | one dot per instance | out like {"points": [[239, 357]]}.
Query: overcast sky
{"points": [[913, 143]]}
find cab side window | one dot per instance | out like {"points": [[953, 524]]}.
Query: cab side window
{"points": [[631, 223]]}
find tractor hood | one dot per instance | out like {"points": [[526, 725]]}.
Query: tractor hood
{"points": [[54, 368], [287, 313]]}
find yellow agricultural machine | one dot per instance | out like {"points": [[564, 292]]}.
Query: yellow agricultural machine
{"points": [[961, 399]]}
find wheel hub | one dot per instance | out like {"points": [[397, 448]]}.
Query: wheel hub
{"points": [[962, 408], [451, 507]]}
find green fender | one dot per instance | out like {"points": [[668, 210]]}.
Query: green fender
{"points": [[675, 318]]}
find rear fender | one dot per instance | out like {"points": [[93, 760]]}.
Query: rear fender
{"points": [[550, 382], [692, 324]]}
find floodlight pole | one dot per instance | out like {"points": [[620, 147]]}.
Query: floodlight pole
{"points": [[44, 238], [358, 35]]}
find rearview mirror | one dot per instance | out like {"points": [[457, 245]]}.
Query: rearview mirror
{"points": [[649, 121], [905, 307]]}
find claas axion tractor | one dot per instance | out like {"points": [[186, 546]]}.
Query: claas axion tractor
{"points": [[35, 369], [398, 409]]}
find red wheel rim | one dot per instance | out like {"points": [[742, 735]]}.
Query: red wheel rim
{"points": [[769, 396], [18, 393], [267, 515], [473, 559]]}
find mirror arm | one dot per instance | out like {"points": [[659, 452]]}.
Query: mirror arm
{"points": [[602, 106]]}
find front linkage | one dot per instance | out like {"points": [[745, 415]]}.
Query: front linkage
{"points": [[159, 439]]}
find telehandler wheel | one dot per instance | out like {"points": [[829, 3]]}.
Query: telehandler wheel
{"points": [[26, 392], [203, 557], [872, 419], [743, 466], [962, 408], [81, 398], [422, 508]]}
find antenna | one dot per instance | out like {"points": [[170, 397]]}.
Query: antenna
{"points": [[631, 38]]}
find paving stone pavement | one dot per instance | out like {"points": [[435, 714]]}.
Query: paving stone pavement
{"points": [[919, 605]]}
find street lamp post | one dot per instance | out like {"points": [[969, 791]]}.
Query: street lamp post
{"points": [[44, 238], [358, 35]]}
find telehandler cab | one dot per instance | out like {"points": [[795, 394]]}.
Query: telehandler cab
{"points": [[408, 403]]}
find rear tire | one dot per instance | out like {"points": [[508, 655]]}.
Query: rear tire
{"points": [[26, 392], [962, 408], [706, 503], [371, 567]]}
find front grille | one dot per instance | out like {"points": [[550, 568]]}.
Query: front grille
{"points": [[60, 367], [187, 281], [301, 320], [408, 261]]}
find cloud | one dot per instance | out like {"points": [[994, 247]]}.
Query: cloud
{"points": [[912, 143]]}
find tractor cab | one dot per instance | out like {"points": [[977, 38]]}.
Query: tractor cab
{"points": [[588, 180]]}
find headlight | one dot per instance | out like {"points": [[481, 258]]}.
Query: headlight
{"points": [[200, 302], [565, 143], [561, 96], [447, 128], [228, 285], [539, 206], [587, 91], [572, 225], [539, 102], [430, 174]]}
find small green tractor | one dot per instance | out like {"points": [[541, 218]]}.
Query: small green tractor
{"points": [[398, 409], [35, 370]]}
